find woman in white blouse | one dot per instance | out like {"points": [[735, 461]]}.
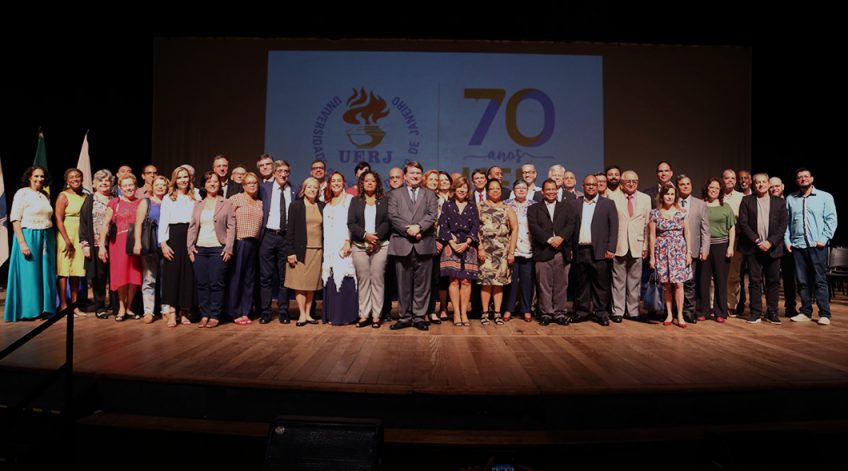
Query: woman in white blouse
{"points": [[31, 290], [178, 290], [341, 304]]}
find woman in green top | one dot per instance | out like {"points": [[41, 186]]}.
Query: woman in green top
{"points": [[722, 239]]}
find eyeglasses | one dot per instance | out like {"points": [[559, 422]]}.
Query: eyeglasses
{"points": [[626, 182], [318, 168]]}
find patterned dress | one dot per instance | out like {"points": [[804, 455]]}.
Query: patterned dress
{"points": [[459, 226], [494, 242], [670, 247]]}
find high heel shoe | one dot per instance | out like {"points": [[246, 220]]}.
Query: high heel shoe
{"points": [[434, 319], [666, 323], [681, 323]]}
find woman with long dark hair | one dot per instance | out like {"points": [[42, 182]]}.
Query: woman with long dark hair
{"points": [[31, 291], [368, 222]]}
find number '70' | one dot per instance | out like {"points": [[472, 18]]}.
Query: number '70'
{"points": [[496, 95]]}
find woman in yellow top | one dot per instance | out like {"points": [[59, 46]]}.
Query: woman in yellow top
{"points": [[70, 260]]}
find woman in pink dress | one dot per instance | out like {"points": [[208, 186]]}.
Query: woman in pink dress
{"points": [[125, 269]]}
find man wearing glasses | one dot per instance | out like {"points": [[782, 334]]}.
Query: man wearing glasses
{"points": [[528, 174], [812, 222], [149, 174], [633, 208], [318, 170], [273, 246]]}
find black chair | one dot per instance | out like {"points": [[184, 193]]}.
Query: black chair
{"points": [[837, 269]]}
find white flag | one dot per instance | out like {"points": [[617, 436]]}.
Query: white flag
{"points": [[84, 164], [4, 231]]}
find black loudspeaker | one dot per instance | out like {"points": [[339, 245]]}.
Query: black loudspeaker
{"points": [[323, 443]]}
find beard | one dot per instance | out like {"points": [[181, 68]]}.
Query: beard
{"points": [[613, 184]]}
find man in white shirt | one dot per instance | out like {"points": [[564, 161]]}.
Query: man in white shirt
{"points": [[273, 247], [735, 281], [694, 308], [528, 174], [633, 208]]}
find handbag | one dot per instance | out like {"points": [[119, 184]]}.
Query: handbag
{"points": [[148, 233], [653, 297]]}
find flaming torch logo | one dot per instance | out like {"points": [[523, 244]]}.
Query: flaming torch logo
{"points": [[364, 110]]}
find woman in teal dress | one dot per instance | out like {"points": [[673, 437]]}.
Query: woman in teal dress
{"points": [[31, 291]]}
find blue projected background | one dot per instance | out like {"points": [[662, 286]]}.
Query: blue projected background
{"points": [[450, 111]]}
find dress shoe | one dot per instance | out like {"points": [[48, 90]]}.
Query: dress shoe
{"points": [[616, 319], [544, 321], [264, 320], [576, 319], [434, 319], [300, 324], [604, 322], [400, 325], [422, 326], [561, 321]]}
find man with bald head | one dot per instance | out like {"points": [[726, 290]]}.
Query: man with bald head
{"points": [[633, 208], [594, 244], [395, 182], [787, 261], [762, 225], [528, 174]]}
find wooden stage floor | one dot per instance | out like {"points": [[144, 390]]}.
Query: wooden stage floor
{"points": [[518, 358]]}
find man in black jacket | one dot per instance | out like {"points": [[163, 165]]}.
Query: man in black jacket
{"points": [[762, 223]]}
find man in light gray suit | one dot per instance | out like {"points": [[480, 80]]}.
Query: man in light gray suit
{"points": [[412, 213], [699, 249], [633, 208]]}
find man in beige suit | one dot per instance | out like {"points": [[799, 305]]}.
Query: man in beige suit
{"points": [[633, 208]]}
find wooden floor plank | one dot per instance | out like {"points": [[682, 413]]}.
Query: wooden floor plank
{"points": [[517, 358]]}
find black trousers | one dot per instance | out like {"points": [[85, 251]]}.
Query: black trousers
{"points": [[692, 300], [594, 281], [787, 272], [763, 269], [716, 268], [273, 253]]}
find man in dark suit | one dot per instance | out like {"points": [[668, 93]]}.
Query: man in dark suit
{"points": [[762, 222], [551, 225], [594, 243], [221, 166], [664, 174], [273, 247], [412, 213], [694, 308]]}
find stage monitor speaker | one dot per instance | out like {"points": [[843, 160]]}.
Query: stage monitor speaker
{"points": [[323, 443]]}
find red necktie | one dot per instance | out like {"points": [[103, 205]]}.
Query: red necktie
{"points": [[481, 197], [630, 205]]}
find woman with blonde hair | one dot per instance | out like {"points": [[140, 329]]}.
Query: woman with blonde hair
{"points": [[178, 286], [304, 234]]}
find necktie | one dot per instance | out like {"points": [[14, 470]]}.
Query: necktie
{"points": [[630, 210], [414, 194], [282, 209], [685, 203], [481, 197]]}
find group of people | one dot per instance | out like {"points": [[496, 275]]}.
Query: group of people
{"points": [[242, 240]]}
